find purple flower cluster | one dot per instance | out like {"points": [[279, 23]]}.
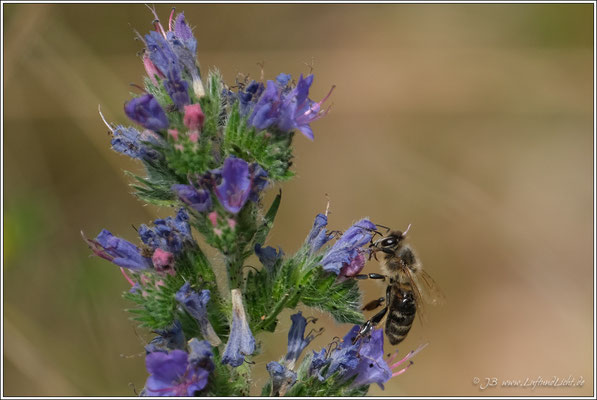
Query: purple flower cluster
{"points": [[363, 358], [169, 55], [168, 234], [233, 185], [178, 373], [281, 107], [345, 257], [165, 239]]}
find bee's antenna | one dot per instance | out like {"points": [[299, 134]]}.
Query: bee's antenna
{"points": [[383, 226], [406, 231]]}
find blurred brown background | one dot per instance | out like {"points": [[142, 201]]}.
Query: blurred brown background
{"points": [[472, 122]]}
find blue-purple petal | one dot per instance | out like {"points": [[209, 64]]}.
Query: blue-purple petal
{"points": [[318, 235], [348, 246], [197, 199], [296, 337], [147, 112], [168, 234], [122, 252], [241, 342], [235, 188]]}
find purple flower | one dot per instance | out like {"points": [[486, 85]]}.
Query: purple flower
{"points": [[248, 96], [160, 53], [177, 89], [127, 141], [364, 358], [318, 235], [177, 373], [119, 251], [371, 368], [131, 142], [282, 378], [169, 234], [348, 247], [268, 256], [283, 79], [267, 108], [239, 182], [198, 199], [184, 33], [147, 112], [285, 109], [296, 338], [196, 305], [241, 342], [169, 339], [200, 353], [258, 181], [355, 266], [235, 188]]}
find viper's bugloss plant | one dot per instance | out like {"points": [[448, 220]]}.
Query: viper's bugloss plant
{"points": [[210, 151]]}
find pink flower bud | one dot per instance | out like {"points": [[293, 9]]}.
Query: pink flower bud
{"points": [[173, 133], [194, 136], [231, 223], [213, 217], [193, 117], [179, 147], [163, 261], [151, 70]]}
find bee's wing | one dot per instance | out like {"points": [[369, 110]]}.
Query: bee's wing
{"points": [[430, 291], [425, 290]]}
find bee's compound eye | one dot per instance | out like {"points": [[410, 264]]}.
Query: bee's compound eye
{"points": [[388, 242]]}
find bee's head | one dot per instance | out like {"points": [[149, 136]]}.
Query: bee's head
{"points": [[391, 241]]}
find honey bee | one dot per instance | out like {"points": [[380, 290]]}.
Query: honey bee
{"points": [[409, 286]]}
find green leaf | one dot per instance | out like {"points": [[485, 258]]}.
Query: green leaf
{"points": [[341, 299]]}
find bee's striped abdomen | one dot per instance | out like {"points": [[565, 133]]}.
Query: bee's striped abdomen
{"points": [[401, 313]]}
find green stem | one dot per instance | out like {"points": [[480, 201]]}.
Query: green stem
{"points": [[271, 317]]}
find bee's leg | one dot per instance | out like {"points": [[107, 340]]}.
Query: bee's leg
{"points": [[376, 319], [370, 324], [370, 276], [373, 304]]}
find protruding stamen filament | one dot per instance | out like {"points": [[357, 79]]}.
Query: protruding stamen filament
{"points": [[403, 370], [156, 22], [410, 355], [171, 19], [129, 280], [142, 89], [99, 109]]}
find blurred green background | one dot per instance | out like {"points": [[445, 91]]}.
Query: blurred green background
{"points": [[472, 122]]}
